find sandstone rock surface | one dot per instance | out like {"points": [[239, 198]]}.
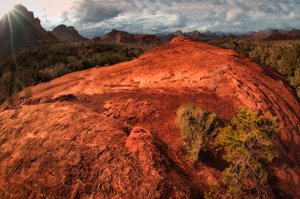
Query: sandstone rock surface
{"points": [[110, 132]]}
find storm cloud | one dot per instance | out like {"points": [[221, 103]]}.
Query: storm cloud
{"points": [[95, 18]]}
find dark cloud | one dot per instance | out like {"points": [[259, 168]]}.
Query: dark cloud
{"points": [[93, 11]]}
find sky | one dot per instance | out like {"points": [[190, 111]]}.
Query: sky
{"points": [[97, 17]]}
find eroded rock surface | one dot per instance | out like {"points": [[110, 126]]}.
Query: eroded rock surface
{"points": [[142, 95], [66, 150]]}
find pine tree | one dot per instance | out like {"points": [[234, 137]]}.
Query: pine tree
{"points": [[249, 149]]}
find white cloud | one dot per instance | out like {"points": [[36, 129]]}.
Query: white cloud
{"points": [[217, 23], [234, 14]]}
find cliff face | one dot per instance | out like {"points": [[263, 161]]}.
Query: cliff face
{"points": [[68, 34], [19, 29], [110, 132]]}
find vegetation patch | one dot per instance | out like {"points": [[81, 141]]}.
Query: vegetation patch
{"points": [[247, 145], [44, 63], [198, 128], [249, 149]]}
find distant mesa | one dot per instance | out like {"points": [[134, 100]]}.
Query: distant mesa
{"points": [[69, 34], [116, 36], [19, 29]]}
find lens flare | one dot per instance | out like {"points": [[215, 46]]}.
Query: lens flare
{"points": [[6, 7], [22, 28], [11, 38]]}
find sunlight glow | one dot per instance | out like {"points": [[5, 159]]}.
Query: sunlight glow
{"points": [[11, 39], [7, 6]]}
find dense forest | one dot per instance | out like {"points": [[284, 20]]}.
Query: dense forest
{"points": [[282, 55], [40, 64]]}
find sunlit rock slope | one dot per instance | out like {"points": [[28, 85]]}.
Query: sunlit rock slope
{"points": [[110, 133]]}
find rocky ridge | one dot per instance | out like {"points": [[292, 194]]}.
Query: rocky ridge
{"points": [[110, 132]]}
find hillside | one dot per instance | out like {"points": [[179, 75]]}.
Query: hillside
{"points": [[110, 132]]}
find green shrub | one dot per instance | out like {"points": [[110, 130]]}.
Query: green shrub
{"points": [[198, 128], [249, 149], [28, 92]]}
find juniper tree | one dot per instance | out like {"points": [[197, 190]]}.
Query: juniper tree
{"points": [[249, 149]]}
